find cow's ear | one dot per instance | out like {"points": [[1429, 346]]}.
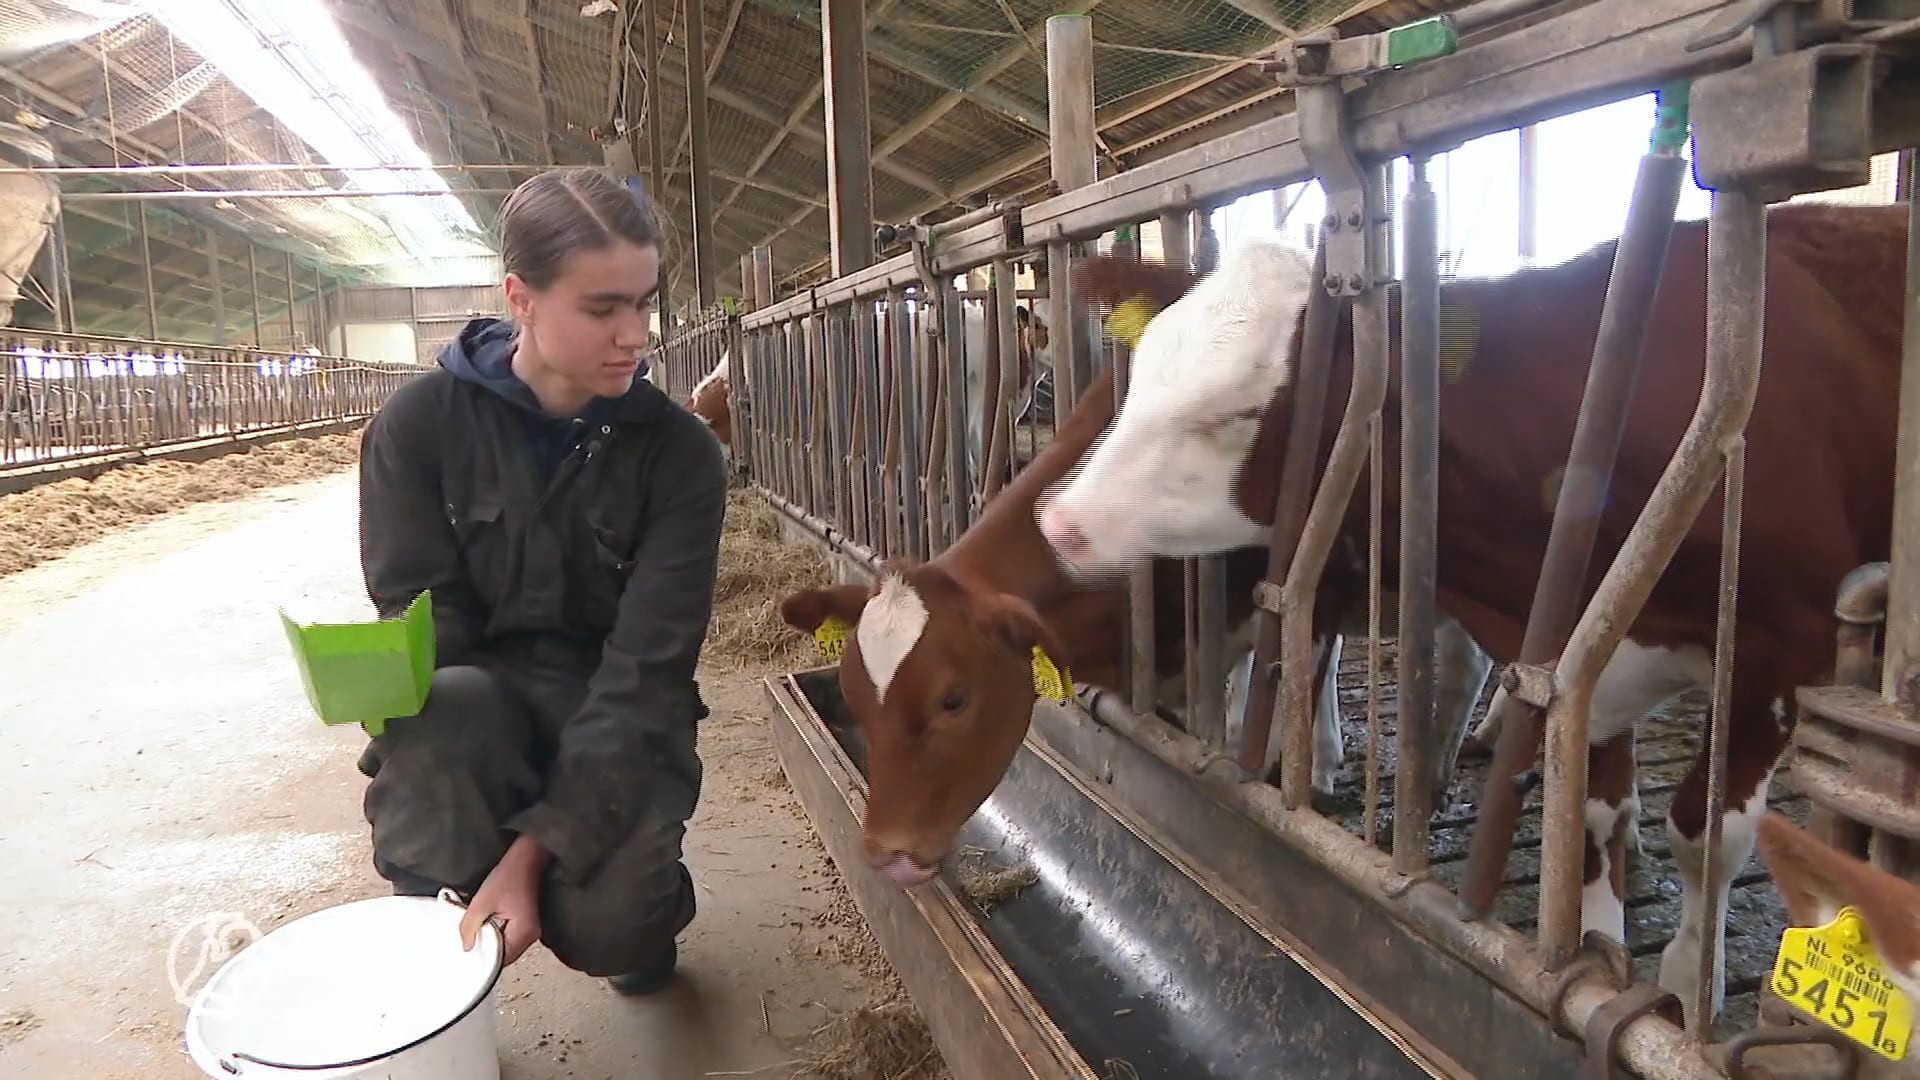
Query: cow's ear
{"points": [[808, 608], [1817, 880], [1108, 280], [1014, 623]]}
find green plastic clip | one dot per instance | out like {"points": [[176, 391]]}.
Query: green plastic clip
{"points": [[1670, 117], [1427, 39], [366, 673]]}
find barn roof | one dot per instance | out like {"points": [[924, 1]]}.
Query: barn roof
{"points": [[957, 92]]}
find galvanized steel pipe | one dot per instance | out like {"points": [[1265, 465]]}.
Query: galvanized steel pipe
{"points": [[1736, 294]]}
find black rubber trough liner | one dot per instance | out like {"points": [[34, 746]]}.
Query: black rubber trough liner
{"points": [[1116, 961]]}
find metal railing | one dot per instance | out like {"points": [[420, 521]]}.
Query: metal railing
{"points": [[74, 396], [860, 389], [855, 394]]}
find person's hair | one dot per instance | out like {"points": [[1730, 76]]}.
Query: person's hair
{"points": [[561, 211]]}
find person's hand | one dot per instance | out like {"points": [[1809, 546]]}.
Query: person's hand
{"points": [[511, 891]]}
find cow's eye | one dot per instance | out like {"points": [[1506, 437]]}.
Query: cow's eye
{"points": [[954, 701]]}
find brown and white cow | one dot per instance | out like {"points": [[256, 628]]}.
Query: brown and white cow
{"points": [[938, 670], [710, 400], [1179, 472]]}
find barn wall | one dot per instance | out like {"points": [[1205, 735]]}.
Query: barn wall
{"points": [[408, 325]]}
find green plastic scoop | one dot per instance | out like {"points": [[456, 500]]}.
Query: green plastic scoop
{"points": [[366, 673]]}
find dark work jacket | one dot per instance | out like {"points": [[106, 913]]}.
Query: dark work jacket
{"points": [[586, 545]]}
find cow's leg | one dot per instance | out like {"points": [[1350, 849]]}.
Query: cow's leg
{"points": [[1613, 806], [1329, 749], [1460, 672], [1755, 741], [1634, 681], [1239, 685]]}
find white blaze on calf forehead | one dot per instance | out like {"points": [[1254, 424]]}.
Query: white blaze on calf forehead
{"points": [[889, 628]]}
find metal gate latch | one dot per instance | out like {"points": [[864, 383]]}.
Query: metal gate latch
{"points": [[1316, 66]]}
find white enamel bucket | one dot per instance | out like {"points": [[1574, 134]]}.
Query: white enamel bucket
{"points": [[374, 988]]}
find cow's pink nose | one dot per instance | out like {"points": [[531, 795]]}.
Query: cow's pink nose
{"points": [[904, 872], [1064, 534]]}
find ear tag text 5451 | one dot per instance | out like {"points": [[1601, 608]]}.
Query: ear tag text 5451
{"points": [[1833, 974]]}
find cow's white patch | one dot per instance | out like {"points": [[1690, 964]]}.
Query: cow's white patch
{"points": [[1160, 481], [889, 628], [718, 374], [1640, 677], [1600, 907], [1680, 960]]}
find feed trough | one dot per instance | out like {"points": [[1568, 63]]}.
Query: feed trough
{"points": [[1119, 957]]}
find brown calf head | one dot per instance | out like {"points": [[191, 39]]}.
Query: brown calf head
{"points": [[939, 675], [1816, 881]]}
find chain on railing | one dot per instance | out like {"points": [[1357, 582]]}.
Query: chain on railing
{"points": [[68, 396]]}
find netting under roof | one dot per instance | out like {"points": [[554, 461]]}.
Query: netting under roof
{"points": [[511, 83], [1135, 46], [238, 82]]}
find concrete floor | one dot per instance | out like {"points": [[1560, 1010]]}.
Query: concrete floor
{"points": [[151, 716]]}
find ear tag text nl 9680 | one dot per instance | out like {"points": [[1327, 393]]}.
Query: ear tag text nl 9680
{"points": [[1834, 974]]}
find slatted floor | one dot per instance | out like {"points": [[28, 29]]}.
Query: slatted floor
{"points": [[1664, 749]]}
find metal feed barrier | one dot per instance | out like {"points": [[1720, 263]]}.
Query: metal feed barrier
{"points": [[67, 399], [1248, 932]]}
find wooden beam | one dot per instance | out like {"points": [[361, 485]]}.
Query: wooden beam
{"points": [[988, 70], [801, 109], [704, 269], [713, 67], [1264, 10], [912, 62], [537, 77], [843, 49], [468, 63], [816, 136]]}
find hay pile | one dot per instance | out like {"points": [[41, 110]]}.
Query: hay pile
{"points": [[40, 523], [987, 884], [887, 1041], [757, 570]]}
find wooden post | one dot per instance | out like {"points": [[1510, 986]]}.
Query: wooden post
{"points": [[843, 45], [1070, 129], [763, 273], [656, 154], [704, 268]]}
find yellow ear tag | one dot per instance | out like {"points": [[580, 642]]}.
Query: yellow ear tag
{"points": [[1130, 320], [1834, 974], [1050, 680], [830, 637]]}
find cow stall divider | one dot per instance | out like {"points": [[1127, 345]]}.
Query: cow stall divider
{"points": [[853, 405], [68, 400]]}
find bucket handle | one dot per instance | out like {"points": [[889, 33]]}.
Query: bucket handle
{"points": [[445, 896]]}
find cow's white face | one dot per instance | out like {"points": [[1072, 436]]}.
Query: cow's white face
{"points": [[1160, 481]]}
